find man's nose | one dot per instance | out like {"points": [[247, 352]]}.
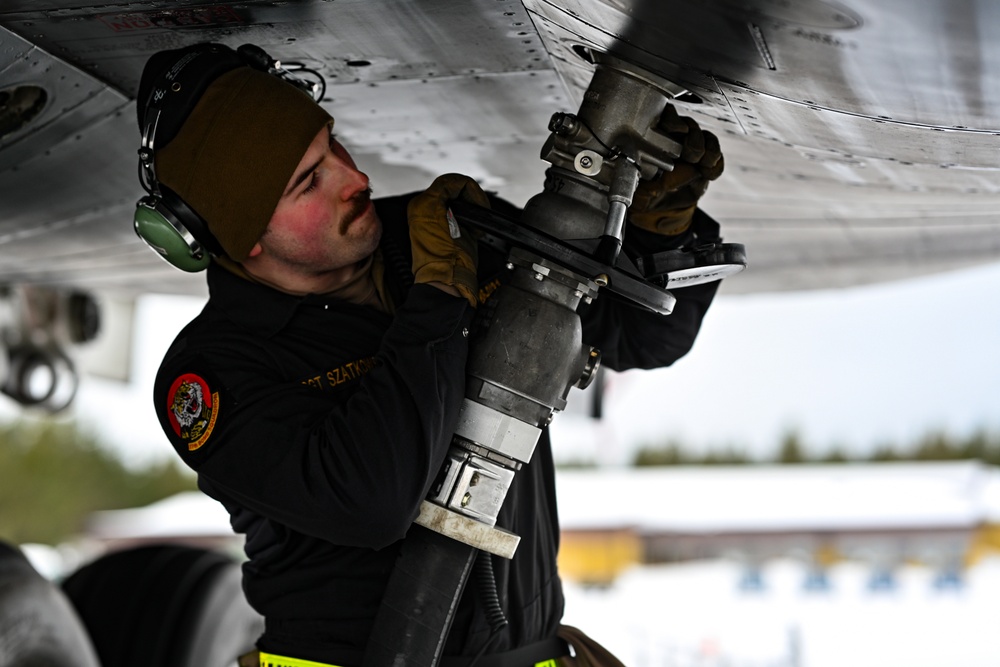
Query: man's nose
{"points": [[354, 182]]}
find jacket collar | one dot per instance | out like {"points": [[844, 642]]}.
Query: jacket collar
{"points": [[249, 304]]}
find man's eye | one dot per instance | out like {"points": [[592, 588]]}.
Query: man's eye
{"points": [[313, 182]]}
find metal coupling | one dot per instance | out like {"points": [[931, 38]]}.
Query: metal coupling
{"points": [[590, 370]]}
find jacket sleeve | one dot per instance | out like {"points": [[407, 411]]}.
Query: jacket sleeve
{"points": [[630, 336], [352, 472]]}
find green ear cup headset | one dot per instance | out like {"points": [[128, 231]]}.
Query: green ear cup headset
{"points": [[162, 219]]}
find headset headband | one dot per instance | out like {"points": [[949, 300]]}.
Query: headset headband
{"points": [[176, 92]]}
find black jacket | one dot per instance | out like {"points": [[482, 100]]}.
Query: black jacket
{"points": [[321, 424]]}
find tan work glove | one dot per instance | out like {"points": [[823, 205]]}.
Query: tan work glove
{"points": [[442, 252], [666, 203]]}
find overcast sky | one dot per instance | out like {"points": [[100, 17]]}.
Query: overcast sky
{"points": [[853, 368]]}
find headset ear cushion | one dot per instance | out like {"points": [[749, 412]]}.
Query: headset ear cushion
{"points": [[159, 228], [188, 219]]}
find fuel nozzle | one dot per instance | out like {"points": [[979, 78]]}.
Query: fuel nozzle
{"points": [[598, 157]]}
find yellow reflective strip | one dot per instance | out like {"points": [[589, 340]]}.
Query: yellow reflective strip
{"points": [[271, 660]]}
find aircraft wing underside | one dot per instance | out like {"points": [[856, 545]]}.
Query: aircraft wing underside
{"points": [[861, 138]]}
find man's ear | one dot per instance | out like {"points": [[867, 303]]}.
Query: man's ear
{"points": [[255, 250]]}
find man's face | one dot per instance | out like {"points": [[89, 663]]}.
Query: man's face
{"points": [[324, 223]]}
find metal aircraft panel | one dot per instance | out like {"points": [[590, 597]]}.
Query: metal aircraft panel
{"points": [[860, 137]]}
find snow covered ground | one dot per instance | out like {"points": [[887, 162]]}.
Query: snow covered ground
{"points": [[697, 615]]}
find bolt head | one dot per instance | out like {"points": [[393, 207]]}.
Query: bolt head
{"points": [[561, 123]]}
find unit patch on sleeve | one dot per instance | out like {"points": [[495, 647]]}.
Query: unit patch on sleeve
{"points": [[193, 408]]}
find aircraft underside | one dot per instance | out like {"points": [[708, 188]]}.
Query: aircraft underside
{"points": [[860, 137]]}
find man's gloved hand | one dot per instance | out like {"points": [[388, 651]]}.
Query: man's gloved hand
{"points": [[666, 204], [442, 252]]}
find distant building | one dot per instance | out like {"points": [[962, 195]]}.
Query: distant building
{"points": [[944, 515]]}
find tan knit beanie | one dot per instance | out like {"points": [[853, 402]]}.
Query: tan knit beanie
{"points": [[236, 152]]}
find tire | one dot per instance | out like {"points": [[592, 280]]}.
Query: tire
{"points": [[38, 626], [164, 606]]}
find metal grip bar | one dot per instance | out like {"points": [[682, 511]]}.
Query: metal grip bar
{"points": [[503, 232], [623, 185]]}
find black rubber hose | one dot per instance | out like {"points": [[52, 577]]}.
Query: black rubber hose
{"points": [[420, 600]]}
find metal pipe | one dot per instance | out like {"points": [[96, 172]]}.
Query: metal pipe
{"points": [[623, 185]]}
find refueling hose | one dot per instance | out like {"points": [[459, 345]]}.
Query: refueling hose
{"points": [[421, 597]]}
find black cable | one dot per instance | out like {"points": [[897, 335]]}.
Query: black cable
{"points": [[594, 135], [488, 590], [296, 67], [614, 152], [486, 586], [259, 59]]}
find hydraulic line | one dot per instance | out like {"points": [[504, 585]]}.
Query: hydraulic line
{"points": [[487, 587]]}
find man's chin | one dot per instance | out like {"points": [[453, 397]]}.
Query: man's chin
{"points": [[368, 224], [376, 233]]}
